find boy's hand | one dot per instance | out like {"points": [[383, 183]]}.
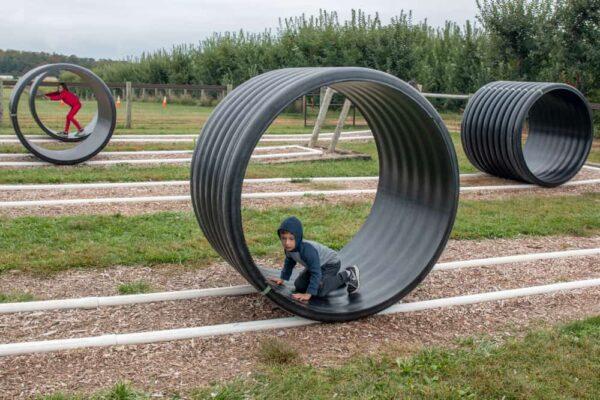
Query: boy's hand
{"points": [[301, 296], [276, 281]]}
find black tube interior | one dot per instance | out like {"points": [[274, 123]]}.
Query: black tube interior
{"points": [[558, 139]]}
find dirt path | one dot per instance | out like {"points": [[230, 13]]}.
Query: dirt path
{"points": [[182, 365]]}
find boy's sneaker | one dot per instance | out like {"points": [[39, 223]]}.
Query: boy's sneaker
{"points": [[353, 279], [63, 133], [80, 133]]}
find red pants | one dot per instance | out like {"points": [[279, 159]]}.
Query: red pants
{"points": [[71, 118]]}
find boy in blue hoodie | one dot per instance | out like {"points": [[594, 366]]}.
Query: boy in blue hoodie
{"points": [[321, 272]]}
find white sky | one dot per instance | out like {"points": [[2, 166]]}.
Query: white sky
{"points": [[120, 28]]}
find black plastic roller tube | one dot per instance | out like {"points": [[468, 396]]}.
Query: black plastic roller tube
{"points": [[556, 118], [413, 211], [103, 124]]}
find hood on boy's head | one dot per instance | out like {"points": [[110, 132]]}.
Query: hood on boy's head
{"points": [[294, 226]]}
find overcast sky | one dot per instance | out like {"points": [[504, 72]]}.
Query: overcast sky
{"points": [[119, 28]]}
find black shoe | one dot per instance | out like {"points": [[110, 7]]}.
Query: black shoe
{"points": [[353, 279], [80, 133], [63, 133]]}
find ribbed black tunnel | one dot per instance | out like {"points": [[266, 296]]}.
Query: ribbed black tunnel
{"points": [[103, 124], [414, 208], [555, 117]]}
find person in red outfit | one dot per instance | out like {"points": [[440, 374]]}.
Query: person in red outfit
{"points": [[72, 101]]}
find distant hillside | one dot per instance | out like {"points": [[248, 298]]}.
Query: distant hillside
{"points": [[13, 62]]}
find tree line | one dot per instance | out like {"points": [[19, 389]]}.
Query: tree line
{"points": [[16, 63], [545, 40]]}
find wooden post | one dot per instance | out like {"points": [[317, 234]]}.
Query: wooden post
{"points": [[229, 88], [325, 101], [340, 125], [128, 98], [143, 93], [170, 93], [155, 92], [1, 103], [202, 97]]}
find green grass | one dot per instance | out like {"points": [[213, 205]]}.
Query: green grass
{"points": [[149, 117], [132, 173], [46, 244], [274, 351], [560, 362], [556, 363], [16, 297], [135, 287], [120, 391]]}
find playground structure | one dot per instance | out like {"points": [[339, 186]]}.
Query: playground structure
{"points": [[558, 126], [98, 132], [415, 199], [408, 190]]}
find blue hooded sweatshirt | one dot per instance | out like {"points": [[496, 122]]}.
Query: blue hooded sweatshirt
{"points": [[311, 255]]}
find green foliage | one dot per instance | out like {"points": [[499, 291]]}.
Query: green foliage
{"points": [[13, 62], [519, 39]]}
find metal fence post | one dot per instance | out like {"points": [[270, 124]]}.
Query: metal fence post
{"points": [[1, 101]]}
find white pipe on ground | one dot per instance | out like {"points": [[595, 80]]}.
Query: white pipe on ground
{"points": [[182, 160], [68, 186], [195, 136], [11, 349], [483, 262], [260, 149], [93, 302], [271, 138], [105, 301], [262, 195]]}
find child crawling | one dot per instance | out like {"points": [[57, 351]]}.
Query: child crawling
{"points": [[321, 272]]}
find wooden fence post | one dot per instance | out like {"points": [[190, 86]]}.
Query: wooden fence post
{"points": [[340, 125], [1, 101], [325, 101], [229, 88], [128, 98]]}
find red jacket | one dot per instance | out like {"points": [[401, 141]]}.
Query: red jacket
{"points": [[66, 96]]}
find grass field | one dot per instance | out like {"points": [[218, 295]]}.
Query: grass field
{"points": [[122, 173], [50, 244]]}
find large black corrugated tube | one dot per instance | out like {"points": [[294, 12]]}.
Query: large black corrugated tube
{"points": [[555, 120], [413, 211], [102, 126]]}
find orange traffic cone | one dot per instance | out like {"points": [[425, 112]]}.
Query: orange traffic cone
{"points": [[118, 101], [62, 103], [164, 103]]}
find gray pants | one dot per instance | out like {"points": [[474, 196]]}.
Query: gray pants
{"points": [[331, 279]]}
